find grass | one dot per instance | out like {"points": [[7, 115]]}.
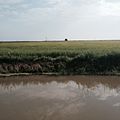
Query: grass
{"points": [[52, 49], [74, 57]]}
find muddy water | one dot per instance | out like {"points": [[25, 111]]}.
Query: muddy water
{"points": [[60, 98]]}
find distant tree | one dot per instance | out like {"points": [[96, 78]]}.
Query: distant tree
{"points": [[66, 39]]}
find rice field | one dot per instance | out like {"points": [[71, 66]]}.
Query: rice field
{"points": [[71, 57], [55, 49]]}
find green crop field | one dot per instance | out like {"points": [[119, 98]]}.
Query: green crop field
{"points": [[53, 49], [71, 57]]}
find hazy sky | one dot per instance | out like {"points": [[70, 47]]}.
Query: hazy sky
{"points": [[59, 19]]}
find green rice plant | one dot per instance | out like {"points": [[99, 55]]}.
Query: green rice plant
{"points": [[72, 57]]}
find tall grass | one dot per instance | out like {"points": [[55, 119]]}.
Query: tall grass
{"points": [[54, 49], [81, 57]]}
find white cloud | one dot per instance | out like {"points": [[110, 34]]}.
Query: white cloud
{"points": [[10, 1], [60, 18], [112, 1], [110, 8]]}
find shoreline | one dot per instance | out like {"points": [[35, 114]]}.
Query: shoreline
{"points": [[57, 74], [60, 58], [80, 65]]}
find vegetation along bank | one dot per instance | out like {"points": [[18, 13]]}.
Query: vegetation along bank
{"points": [[70, 57]]}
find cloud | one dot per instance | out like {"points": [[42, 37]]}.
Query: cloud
{"points": [[10, 9], [58, 18], [65, 8], [112, 1], [10, 1], [62, 8], [110, 8]]}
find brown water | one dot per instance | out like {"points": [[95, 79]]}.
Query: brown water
{"points": [[60, 98]]}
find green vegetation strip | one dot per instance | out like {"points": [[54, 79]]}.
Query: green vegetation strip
{"points": [[80, 57]]}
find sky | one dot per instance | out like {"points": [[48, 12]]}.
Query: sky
{"points": [[59, 19]]}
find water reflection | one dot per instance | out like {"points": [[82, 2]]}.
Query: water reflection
{"points": [[64, 86], [60, 97]]}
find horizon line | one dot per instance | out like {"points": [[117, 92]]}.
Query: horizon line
{"points": [[59, 40]]}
